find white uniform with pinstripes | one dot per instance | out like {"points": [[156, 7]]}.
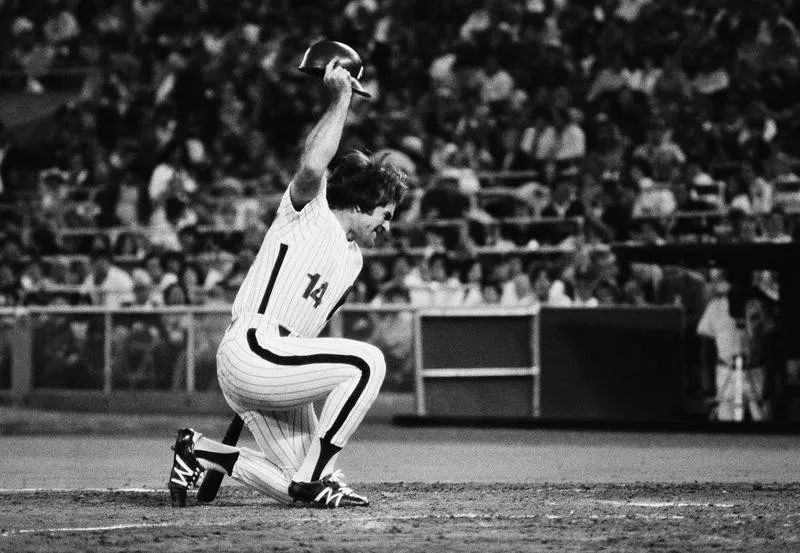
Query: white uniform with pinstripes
{"points": [[301, 274]]}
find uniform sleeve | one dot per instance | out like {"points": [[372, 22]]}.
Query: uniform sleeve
{"points": [[288, 219]]}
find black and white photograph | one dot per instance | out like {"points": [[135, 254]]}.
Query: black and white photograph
{"points": [[394, 276]]}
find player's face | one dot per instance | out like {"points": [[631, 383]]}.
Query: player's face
{"points": [[370, 227]]}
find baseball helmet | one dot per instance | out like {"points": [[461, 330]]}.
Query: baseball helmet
{"points": [[318, 55]]}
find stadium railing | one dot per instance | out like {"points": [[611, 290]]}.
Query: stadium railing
{"points": [[160, 348], [164, 359]]}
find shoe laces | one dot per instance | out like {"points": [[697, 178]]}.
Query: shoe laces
{"points": [[337, 477]]}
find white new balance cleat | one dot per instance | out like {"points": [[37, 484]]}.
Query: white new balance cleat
{"points": [[328, 493], [185, 468]]}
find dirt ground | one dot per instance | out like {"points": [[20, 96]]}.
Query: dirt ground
{"points": [[415, 517], [75, 483]]}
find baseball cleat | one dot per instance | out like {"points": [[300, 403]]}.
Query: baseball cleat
{"points": [[328, 493], [185, 467]]}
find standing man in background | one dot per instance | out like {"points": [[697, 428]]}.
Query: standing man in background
{"points": [[271, 365]]}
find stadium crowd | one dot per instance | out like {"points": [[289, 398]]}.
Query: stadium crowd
{"points": [[621, 115]]}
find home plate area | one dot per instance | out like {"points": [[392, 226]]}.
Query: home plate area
{"points": [[413, 517]]}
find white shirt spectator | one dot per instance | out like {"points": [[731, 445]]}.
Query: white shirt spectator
{"points": [[711, 82], [654, 201], [570, 143], [591, 302], [759, 199], [518, 292], [473, 295], [115, 290], [705, 189], [557, 295], [353, 7], [438, 294], [629, 10], [477, 21], [607, 80], [441, 73], [61, 28], [497, 87], [164, 175], [643, 80], [769, 134], [140, 276]]}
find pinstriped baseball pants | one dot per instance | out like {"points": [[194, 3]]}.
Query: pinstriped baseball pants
{"points": [[271, 382]]}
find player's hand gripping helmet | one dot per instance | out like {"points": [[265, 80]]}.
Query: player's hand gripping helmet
{"points": [[321, 53]]}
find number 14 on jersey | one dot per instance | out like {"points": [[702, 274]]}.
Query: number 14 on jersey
{"points": [[313, 291]]}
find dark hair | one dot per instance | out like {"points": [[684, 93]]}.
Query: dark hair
{"points": [[440, 256], [168, 256], [153, 255], [192, 267], [643, 165], [396, 291], [121, 241], [364, 182], [175, 286]]}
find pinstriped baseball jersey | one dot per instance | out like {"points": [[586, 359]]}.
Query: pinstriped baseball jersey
{"points": [[303, 270]]}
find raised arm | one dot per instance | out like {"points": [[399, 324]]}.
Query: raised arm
{"points": [[323, 140]]}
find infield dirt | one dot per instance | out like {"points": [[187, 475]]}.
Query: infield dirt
{"points": [[415, 517]]}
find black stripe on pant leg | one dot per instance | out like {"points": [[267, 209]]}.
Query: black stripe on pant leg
{"points": [[318, 358]]}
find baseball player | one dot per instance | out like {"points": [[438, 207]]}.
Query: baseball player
{"points": [[271, 365]]}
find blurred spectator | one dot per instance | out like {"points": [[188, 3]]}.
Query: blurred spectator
{"points": [[673, 84], [375, 278], [30, 55], [704, 194], [711, 77], [611, 78], [606, 156], [473, 276], [663, 155], [581, 291], [563, 203], [563, 139], [61, 28], [10, 292], [129, 244], [107, 284], [404, 274], [775, 227], [607, 293], [143, 294], [496, 83], [633, 294], [191, 280], [787, 192], [745, 226], [438, 287], [58, 361], [445, 201], [655, 200], [393, 334], [515, 285], [152, 271], [491, 294], [35, 284], [682, 287]]}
